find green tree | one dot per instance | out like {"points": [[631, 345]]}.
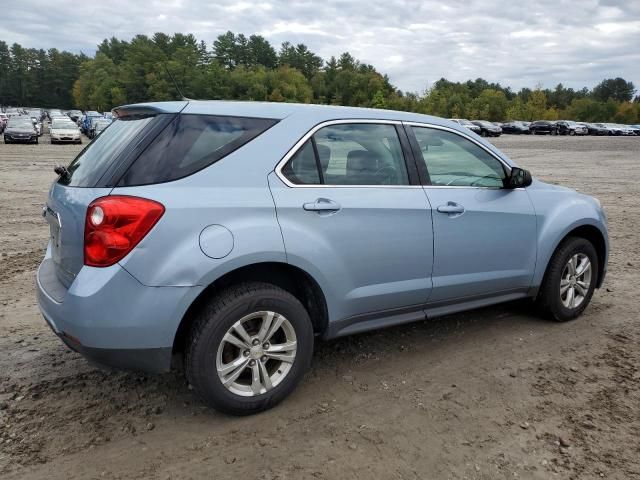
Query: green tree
{"points": [[614, 88]]}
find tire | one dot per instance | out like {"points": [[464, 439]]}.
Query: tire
{"points": [[550, 299], [207, 347], [483, 133], [36, 142], [572, 132]]}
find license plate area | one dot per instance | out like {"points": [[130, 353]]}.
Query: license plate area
{"points": [[55, 225]]}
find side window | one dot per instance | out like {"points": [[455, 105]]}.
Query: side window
{"points": [[452, 160], [350, 154], [361, 154], [302, 169]]}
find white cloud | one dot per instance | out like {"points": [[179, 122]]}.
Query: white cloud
{"points": [[415, 43]]}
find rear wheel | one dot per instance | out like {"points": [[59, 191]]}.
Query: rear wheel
{"points": [[570, 280], [249, 348]]}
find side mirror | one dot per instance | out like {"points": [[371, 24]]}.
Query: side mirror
{"points": [[519, 178]]}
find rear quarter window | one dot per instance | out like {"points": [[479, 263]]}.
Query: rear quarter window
{"points": [[189, 144]]}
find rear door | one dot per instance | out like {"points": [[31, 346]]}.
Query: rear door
{"points": [[484, 234], [352, 214]]}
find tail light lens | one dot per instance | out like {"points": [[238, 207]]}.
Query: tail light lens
{"points": [[115, 225]]}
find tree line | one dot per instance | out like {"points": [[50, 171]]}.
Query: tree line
{"points": [[237, 67]]}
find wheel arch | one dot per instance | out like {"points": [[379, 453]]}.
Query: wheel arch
{"points": [[284, 275], [594, 235]]}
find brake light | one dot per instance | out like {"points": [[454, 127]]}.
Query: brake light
{"points": [[115, 225]]}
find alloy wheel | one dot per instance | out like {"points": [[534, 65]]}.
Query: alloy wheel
{"points": [[575, 280], [256, 353]]}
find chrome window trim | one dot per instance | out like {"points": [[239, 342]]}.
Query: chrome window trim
{"points": [[309, 134]]}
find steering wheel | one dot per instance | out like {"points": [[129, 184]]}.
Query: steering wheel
{"points": [[459, 175], [482, 178]]}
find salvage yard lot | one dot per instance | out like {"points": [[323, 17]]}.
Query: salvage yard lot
{"points": [[493, 393]]}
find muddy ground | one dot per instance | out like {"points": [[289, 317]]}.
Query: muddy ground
{"points": [[489, 394]]}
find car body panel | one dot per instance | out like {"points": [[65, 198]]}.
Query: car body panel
{"points": [[375, 253], [559, 210], [491, 247]]}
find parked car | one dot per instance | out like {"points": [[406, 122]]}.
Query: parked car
{"points": [[86, 121], [3, 121], [64, 131], [543, 127], [488, 129], [617, 129], [20, 129], [518, 128], [98, 125], [635, 128], [467, 124], [37, 125], [239, 232], [74, 115], [568, 127], [595, 128], [13, 112]]}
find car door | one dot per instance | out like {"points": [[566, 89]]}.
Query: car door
{"points": [[355, 217], [484, 234]]}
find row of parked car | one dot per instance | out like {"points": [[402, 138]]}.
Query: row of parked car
{"points": [[23, 125], [546, 127]]}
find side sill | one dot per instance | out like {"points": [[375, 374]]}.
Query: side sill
{"points": [[415, 313]]}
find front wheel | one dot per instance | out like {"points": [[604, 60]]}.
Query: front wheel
{"points": [[570, 280], [249, 348]]}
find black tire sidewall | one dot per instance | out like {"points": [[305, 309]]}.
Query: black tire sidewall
{"points": [[201, 356], [551, 287]]}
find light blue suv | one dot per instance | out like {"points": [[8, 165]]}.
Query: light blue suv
{"points": [[230, 235]]}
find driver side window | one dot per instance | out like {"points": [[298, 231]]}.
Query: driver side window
{"points": [[452, 160]]}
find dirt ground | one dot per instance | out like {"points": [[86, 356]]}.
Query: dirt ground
{"points": [[489, 394]]}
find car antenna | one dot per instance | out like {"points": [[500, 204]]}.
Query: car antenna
{"points": [[175, 84]]}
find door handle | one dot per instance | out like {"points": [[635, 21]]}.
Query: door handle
{"points": [[322, 205], [451, 208]]}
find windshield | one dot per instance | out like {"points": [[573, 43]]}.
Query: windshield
{"points": [[89, 166], [20, 123], [57, 124]]}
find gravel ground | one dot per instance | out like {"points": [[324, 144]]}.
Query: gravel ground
{"points": [[489, 394]]}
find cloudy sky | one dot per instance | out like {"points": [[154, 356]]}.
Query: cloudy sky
{"points": [[519, 43]]}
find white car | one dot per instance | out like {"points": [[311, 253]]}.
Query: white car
{"points": [[618, 129], [64, 131]]}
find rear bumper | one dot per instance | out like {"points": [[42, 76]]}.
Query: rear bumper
{"points": [[152, 360], [111, 318]]}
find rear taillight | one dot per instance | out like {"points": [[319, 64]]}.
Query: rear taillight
{"points": [[114, 225]]}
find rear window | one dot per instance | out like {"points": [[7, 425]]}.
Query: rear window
{"points": [[189, 144], [92, 162]]}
